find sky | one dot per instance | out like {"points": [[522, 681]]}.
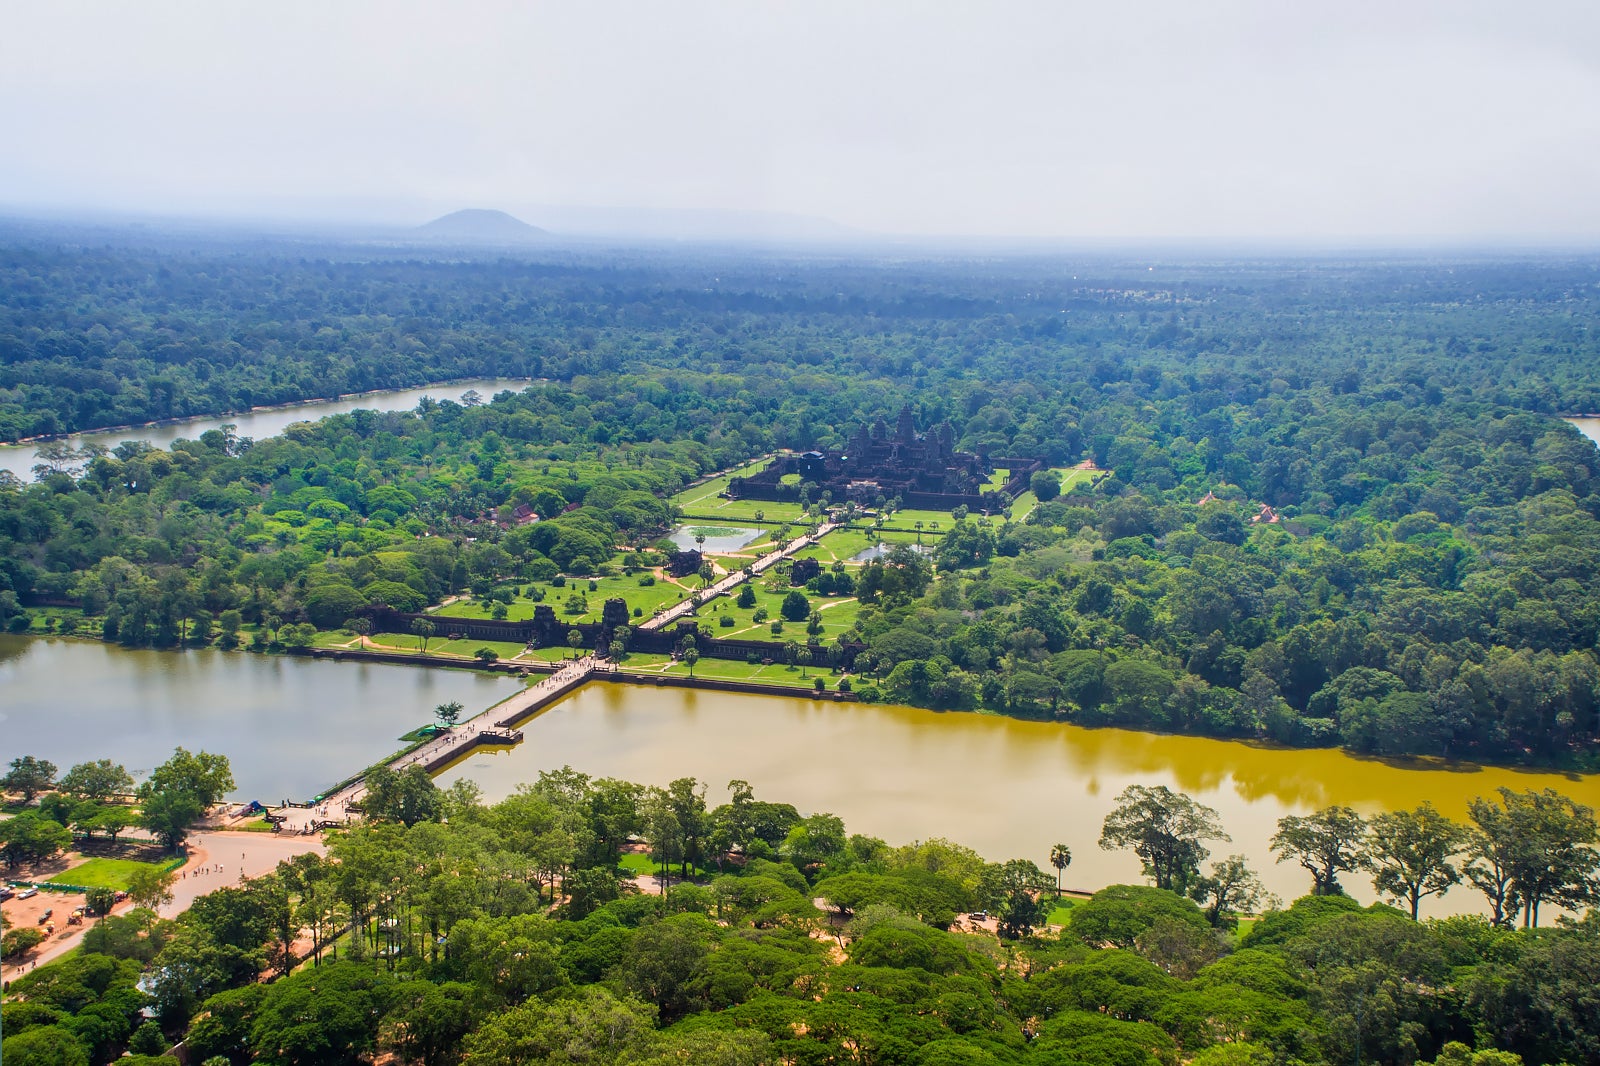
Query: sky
{"points": [[1140, 119]]}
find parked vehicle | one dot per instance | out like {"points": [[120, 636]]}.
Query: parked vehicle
{"points": [[27, 893], [45, 917]]}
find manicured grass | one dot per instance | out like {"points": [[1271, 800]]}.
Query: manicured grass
{"points": [[735, 670], [710, 489], [1061, 913], [519, 610], [838, 615], [845, 544], [440, 645], [103, 873], [636, 863], [717, 510]]}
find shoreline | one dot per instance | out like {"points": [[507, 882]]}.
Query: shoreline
{"points": [[47, 438], [527, 668]]}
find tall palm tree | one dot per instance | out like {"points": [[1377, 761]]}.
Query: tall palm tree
{"points": [[1060, 858]]}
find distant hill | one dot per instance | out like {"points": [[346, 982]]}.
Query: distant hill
{"points": [[479, 226]]}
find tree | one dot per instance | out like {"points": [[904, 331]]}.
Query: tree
{"points": [[99, 901], [574, 641], [423, 630], [795, 607], [29, 776], [448, 712], [690, 657], [1060, 858], [1165, 829], [98, 780], [151, 886], [1326, 843], [1231, 888], [31, 838], [1529, 848], [169, 815], [1012, 891], [1409, 853], [202, 775], [407, 797], [747, 596]]}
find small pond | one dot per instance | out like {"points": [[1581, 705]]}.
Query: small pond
{"points": [[883, 548], [718, 538]]}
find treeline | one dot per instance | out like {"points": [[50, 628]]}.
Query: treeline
{"points": [[1337, 515], [446, 930], [116, 333]]}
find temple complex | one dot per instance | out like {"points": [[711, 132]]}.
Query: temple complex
{"points": [[920, 470]]}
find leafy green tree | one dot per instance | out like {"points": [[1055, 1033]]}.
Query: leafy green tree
{"points": [[327, 1016], [1529, 848], [1230, 889], [30, 837], [30, 776], [1012, 890], [168, 815], [795, 607], [448, 713], [1165, 829], [591, 1026], [151, 886], [406, 796], [47, 1045], [98, 780], [1327, 843], [205, 777], [1410, 853]]}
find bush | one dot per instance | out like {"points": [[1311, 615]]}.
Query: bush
{"points": [[726, 621], [18, 942], [647, 580]]}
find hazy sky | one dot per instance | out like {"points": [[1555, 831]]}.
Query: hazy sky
{"points": [[1117, 118]]}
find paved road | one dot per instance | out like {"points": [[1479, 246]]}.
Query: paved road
{"points": [[238, 855], [738, 577]]}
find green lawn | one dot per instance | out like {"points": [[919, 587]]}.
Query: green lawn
{"points": [[846, 544], [440, 645], [838, 615], [1061, 913], [636, 863], [735, 670], [643, 598], [710, 489], [104, 873], [716, 510]]}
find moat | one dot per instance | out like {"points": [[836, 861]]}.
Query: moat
{"points": [[1006, 787]]}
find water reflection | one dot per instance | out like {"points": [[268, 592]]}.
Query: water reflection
{"points": [[1006, 787]]}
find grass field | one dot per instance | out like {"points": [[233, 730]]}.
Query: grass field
{"points": [[838, 615], [742, 511], [1060, 914], [103, 873], [733, 670], [635, 863], [716, 485]]}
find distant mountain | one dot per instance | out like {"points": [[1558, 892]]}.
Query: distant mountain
{"points": [[479, 226]]}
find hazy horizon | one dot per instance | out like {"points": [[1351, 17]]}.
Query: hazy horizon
{"points": [[1372, 124]]}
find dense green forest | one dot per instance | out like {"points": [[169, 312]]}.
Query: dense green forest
{"points": [[444, 930], [1426, 590]]}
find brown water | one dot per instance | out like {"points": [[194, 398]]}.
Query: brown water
{"points": [[1008, 788], [1588, 426]]}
